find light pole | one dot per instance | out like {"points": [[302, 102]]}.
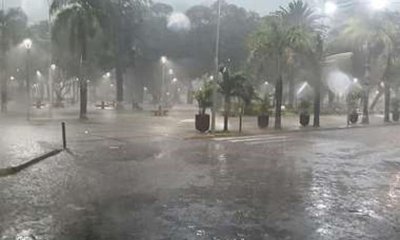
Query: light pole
{"points": [[53, 68], [28, 45], [50, 70], [215, 82], [163, 63]]}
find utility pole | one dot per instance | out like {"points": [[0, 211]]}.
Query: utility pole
{"points": [[216, 78], [50, 71]]}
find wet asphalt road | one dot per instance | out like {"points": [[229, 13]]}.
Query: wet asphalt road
{"points": [[315, 185]]}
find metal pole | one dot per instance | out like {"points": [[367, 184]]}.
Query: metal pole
{"points": [[162, 87], [28, 85], [50, 73], [64, 136], [214, 95]]}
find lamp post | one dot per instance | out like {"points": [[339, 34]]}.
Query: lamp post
{"points": [[28, 45], [51, 68], [214, 93], [164, 61]]}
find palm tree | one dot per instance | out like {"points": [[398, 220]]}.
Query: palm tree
{"points": [[12, 28], [229, 87], [81, 19], [275, 38], [300, 15], [366, 32]]}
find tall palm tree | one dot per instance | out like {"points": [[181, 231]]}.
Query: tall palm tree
{"points": [[12, 28], [230, 86], [300, 15], [81, 18], [366, 32], [275, 38]]}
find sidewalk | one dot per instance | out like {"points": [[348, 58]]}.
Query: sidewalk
{"points": [[21, 140]]}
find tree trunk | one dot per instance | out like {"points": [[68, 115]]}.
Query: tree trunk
{"points": [[190, 93], [119, 71], [387, 102], [365, 118], [317, 98], [331, 98], [278, 102], [291, 92], [376, 99], [3, 74], [83, 80], [227, 111], [3, 90], [120, 82]]}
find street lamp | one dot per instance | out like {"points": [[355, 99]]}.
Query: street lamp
{"points": [[378, 4], [330, 8], [171, 72], [53, 67], [164, 61], [174, 80], [28, 45]]}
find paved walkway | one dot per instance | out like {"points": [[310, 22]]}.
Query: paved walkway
{"points": [[21, 140]]}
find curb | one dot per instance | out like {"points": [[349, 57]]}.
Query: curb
{"points": [[16, 169], [283, 131]]}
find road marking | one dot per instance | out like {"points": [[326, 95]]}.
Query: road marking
{"points": [[244, 137], [269, 142], [255, 140]]}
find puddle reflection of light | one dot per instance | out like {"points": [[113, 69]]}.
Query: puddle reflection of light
{"points": [[222, 164], [393, 194]]}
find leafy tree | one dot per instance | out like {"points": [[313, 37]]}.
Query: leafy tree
{"points": [[274, 38], [299, 15], [204, 97], [367, 33], [12, 29], [123, 19], [81, 18], [230, 86]]}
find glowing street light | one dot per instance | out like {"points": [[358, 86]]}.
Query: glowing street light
{"points": [[174, 80], [379, 4], [53, 67], [355, 80], [12, 78], [27, 43], [330, 8], [38, 74], [171, 72], [164, 59]]}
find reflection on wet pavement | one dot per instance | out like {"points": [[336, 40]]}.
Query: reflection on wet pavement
{"points": [[321, 185]]}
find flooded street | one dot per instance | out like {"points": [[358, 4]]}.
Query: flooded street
{"points": [[317, 185]]}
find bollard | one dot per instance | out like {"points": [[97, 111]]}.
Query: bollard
{"points": [[64, 137], [240, 123]]}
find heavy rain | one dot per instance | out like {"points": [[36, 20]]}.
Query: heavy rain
{"points": [[212, 119]]}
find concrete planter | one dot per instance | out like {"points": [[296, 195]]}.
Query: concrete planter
{"points": [[263, 121], [202, 122], [304, 119]]}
